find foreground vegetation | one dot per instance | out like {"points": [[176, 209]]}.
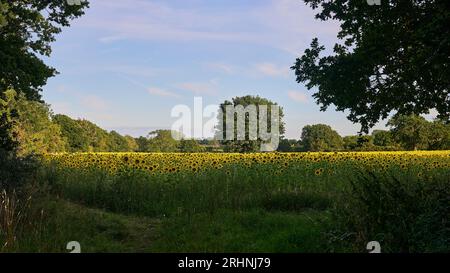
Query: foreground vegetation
{"points": [[275, 202]]}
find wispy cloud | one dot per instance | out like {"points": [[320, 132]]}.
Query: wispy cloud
{"points": [[273, 70], [154, 91], [284, 24], [162, 93], [200, 88], [298, 96], [223, 67], [133, 70]]}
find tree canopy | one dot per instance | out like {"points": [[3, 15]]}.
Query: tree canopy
{"points": [[161, 141], [321, 137], [246, 145], [27, 27], [35, 131], [392, 57], [412, 131]]}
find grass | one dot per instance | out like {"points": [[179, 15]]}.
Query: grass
{"points": [[224, 231], [245, 231], [96, 230]]}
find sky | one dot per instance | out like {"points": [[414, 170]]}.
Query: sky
{"points": [[125, 64]]}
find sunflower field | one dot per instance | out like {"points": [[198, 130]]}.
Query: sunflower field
{"points": [[381, 195], [420, 163]]}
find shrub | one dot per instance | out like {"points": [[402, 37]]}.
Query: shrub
{"points": [[405, 214]]}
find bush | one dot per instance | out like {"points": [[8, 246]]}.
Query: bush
{"points": [[15, 171], [405, 214]]}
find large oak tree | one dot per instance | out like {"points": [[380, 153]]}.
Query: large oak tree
{"points": [[392, 58], [27, 27]]}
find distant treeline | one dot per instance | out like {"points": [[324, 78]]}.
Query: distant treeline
{"points": [[37, 130], [406, 133]]}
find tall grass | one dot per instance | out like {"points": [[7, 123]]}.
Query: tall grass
{"points": [[138, 192], [19, 217], [404, 213]]}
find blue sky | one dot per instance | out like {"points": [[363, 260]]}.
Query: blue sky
{"points": [[127, 63]]}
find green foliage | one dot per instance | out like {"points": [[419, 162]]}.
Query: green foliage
{"points": [[411, 131], [161, 141], [118, 143], [289, 145], [405, 214], [132, 143], [321, 137], [393, 57], [27, 27], [16, 172], [407, 132], [190, 146], [85, 136], [8, 119], [141, 144], [76, 138], [246, 145], [350, 142], [439, 136], [231, 231], [382, 138], [36, 132], [47, 224]]}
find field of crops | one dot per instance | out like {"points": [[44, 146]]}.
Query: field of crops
{"points": [[388, 196], [276, 164]]}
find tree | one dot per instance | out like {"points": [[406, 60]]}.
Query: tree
{"points": [[27, 27], [99, 140], [411, 131], [8, 118], [288, 145], [350, 142], [321, 137], [117, 142], [161, 141], [382, 138], [394, 57], [142, 143], [190, 146], [439, 136], [77, 140], [211, 145], [132, 144], [247, 144], [365, 143], [35, 131]]}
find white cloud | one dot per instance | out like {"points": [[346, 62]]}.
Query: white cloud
{"points": [[133, 70], [298, 96], [288, 25], [162, 93], [273, 70], [223, 67], [200, 88]]}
